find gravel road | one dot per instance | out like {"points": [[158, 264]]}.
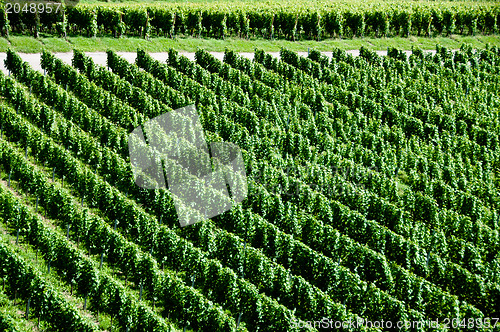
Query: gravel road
{"points": [[100, 57]]}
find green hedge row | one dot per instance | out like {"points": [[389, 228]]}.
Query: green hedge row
{"points": [[291, 21]]}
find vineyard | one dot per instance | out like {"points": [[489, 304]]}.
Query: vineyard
{"points": [[373, 193], [272, 20]]}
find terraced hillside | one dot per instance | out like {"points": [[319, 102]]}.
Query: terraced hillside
{"points": [[373, 193]]}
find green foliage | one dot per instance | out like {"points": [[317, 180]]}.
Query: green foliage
{"points": [[268, 20], [29, 283], [373, 187]]}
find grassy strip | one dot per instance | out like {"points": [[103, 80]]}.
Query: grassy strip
{"points": [[27, 44]]}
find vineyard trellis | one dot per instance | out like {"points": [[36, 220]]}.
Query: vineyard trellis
{"points": [[373, 184]]}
